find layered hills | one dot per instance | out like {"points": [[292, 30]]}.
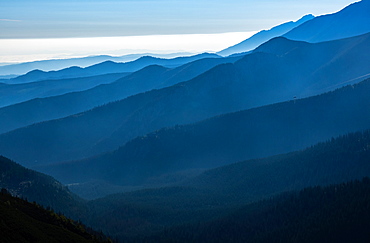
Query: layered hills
{"points": [[301, 69], [106, 67], [148, 78], [253, 133], [263, 36], [193, 144], [17, 93], [218, 195], [58, 64]]}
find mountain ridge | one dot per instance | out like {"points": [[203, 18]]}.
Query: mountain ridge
{"points": [[258, 132], [351, 21], [106, 67], [251, 81], [151, 77], [263, 36]]}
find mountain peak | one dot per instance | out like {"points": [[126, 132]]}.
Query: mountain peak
{"points": [[264, 35], [306, 18], [351, 21]]}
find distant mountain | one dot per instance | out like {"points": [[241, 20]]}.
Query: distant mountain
{"points": [[263, 36], [222, 193], [22, 221], [57, 64], [38, 187], [257, 79], [7, 77], [253, 133], [106, 67], [38, 110], [16, 93], [351, 21]]}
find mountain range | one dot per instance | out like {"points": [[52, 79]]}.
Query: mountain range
{"points": [[263, 36], [151, 77], [296, 69], [17, 93], [220, 193], [57, 64], [206, 200], [105, 68], [225, 139], [351, 21], [266, 145]]}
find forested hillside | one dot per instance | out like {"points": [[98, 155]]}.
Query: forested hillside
{"points": [[223, 190], [337, 213], [38, 187], [22, 221]]}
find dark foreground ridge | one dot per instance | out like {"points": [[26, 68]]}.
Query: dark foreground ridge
{"points": [[337, 213], [22, 221]]}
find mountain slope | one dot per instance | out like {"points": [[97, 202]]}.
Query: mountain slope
{"points": [[257, 79], [253, 133], [351, 21], [107, 67], [218, 192], [338, 213], [263, 36], [38, 187], [38, 110], [16, 93], [22, 221]]}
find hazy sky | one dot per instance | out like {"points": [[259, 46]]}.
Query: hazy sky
{"points": [[96, 18], [44, 29]]}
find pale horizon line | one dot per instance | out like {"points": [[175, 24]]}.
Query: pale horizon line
{"points": [[28, 50]]}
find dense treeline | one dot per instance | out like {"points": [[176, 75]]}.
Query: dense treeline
{"points": [[217, 192], [339, 159], [22, 221], [136, 215], [337, 213]]}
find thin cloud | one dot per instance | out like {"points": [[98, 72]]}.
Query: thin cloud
{"points": [[11, 20]]}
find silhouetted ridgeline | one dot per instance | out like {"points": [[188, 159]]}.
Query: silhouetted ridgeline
{"points": [[351, 21], [16, 93], [202, 203], [107, 67], [257, 79], [58, 64], [44, 109], [225, 139], [263, 36]]}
